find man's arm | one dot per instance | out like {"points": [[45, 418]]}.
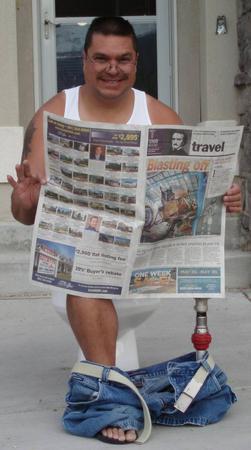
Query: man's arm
{"points": [[31, 171]]}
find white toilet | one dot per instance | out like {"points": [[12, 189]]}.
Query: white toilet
{"points": [[131, 314]]}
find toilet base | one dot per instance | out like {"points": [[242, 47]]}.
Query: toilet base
{"points": [[126, 351]]}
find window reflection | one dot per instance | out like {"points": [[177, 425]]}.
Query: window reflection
{"points": [[93, 8]]}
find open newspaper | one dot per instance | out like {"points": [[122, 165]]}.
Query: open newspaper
{"points": [[133, 211]]}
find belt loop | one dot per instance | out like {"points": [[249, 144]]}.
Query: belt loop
{"points": [[105, 374], [208, 364]]}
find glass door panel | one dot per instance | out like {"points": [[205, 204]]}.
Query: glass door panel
{"points": [[93, 8]]}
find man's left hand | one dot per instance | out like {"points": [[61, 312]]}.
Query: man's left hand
{"points": [[232, 199]]}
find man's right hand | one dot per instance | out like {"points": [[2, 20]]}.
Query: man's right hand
{"points": [[25, 193]]}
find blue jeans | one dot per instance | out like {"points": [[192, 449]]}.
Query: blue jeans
{"points": [[94, 404]]}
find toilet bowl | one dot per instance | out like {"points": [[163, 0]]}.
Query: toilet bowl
{"points": [[131, 314]]}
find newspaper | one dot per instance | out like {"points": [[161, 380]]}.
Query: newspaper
{"points": [[133, 211]]}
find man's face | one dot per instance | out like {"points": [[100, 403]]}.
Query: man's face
{"points": [[93, 222], [98, 151], [110, 65], [177, 140]]}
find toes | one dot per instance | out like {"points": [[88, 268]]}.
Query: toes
{"points": [[130, 436], [104, 432], [119, 434], [116, 434], [110, 433]]}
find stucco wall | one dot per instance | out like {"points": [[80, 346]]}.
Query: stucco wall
{"points": [[243, 84], [9, 109], [9, 105], [219, 60], [25, 61], [188, 31]]}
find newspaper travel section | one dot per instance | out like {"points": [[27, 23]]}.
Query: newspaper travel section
{"points": [[182, 243]]}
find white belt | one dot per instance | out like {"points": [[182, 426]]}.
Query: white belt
{"points": [[96, 371], [194, 385]]}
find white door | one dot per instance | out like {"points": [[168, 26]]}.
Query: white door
{"points": [[63, 26]]}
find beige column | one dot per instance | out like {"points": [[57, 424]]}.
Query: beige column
{"points": [[9, 108]]}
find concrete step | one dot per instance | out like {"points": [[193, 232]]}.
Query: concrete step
{"points": [[15, 237], [238, 269], [233, 232], [14, 277]]}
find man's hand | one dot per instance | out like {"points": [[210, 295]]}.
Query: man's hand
{"points": [[25, 193], [232, 199]]}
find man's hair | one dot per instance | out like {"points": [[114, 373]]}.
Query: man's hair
{"points": [[116, 26]]}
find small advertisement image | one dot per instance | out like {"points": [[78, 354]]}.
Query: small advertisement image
{"points": [[174, 202], [93, 224], [97, 152], [157, 280], [173, 142], [52, 262]]}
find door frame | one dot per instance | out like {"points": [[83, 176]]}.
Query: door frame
{"points": [[44, 48]]}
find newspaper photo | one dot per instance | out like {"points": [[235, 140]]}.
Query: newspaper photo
{"points": [[133, 211]]}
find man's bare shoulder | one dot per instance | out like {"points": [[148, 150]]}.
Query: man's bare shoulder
{"points": [[33, 139], [55, 105], [161, 114]]}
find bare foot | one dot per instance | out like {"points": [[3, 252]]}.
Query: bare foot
{"points": [[119, 434]]}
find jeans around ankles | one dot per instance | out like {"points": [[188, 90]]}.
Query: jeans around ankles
{"points": [[162, 384], [94, 404]]}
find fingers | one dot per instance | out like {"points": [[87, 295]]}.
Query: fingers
{"points": [[232, 199], [27, 168], [23, 172], [232, 209], [11, 181], [20, 172], [234, 191], [233, 205], [28, 174]]}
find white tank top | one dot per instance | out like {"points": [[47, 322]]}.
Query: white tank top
{"points": [[140, 115]]}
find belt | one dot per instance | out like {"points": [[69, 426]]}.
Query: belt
{"points": [[194, 385]]}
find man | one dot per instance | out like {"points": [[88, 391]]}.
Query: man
{"points": [[93, 223], [97, 153], [178, 142], [110, 64]]}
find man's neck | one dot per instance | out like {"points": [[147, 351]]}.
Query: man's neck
{"points": [[94, 107]]}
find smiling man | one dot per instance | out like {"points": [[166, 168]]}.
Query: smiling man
{"points": [[109, 64]]}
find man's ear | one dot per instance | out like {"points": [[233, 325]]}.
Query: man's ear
{"points": [[136, 63], [83, 57]]}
